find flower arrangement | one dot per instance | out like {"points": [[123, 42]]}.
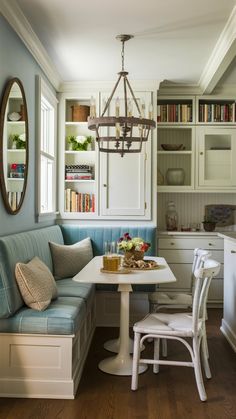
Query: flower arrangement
{"points": [[127, 243], [18, 141], [79, 142]]}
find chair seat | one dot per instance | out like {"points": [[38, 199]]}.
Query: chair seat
{"points": [[179, 324], [170, 299]]}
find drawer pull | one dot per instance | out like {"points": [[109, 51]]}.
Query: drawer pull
{"points": [[172, 244], [233, 251], [210, 244]]}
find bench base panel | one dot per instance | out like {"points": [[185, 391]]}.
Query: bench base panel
{"points": [[44, 366]]}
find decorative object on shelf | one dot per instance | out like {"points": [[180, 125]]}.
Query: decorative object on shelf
{"points": [[18, 141], [209, 224], [79, 142], [80, 113], [172, 147], [126, 133], [171, 217], [175, 176], [222, 215], [160, 178], [14, 116], [17, 170], [132, 247]]}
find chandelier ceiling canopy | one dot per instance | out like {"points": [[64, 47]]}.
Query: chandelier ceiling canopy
{"points": [[125, 131]]}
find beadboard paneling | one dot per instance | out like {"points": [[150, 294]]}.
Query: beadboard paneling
{"points": [[191, 206]]}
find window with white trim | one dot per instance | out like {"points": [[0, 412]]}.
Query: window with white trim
{"points": [[47, 151]]}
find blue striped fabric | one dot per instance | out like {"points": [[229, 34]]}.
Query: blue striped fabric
{"points": [[100, 234], [22, 247], [63, 317], [69, 288]]}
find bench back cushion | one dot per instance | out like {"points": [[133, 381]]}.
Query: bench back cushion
{"points": [[22, 247], [100, 234]]}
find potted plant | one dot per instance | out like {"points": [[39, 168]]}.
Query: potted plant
{"points": [[79, 142], [209, 224], [133, 247], [18, 141]]}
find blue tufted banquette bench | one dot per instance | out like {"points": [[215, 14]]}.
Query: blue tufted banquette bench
{"points": [[43, 352]]}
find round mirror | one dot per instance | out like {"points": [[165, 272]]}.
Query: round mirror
{"points": [[13, 145]]}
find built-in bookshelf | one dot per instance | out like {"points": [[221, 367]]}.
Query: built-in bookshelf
{"points": [[178, 110]]}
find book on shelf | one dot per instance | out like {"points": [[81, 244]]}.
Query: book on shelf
{"points": [[174, 112], [216, 112], [79, 202]]}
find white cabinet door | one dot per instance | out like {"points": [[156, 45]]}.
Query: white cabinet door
{"points": [[216, 157], [229, 319], [125, 184]]}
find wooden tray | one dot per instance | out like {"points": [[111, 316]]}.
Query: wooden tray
{"points": [[120, 271]]}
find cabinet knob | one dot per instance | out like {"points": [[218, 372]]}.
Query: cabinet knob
{"points": [[201, 153], [210, 244], [105, 185], [172, 244], [233, 251]]}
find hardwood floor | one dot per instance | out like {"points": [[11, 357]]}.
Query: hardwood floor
{"points": [[172, 394]]}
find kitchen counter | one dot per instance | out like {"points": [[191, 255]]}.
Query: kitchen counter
{"points": [[230, 235], [188, 233]]}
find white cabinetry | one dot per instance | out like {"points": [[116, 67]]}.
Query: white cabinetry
{"points": [[120, 187], [216, 155], [178, 249], [229, 317]]}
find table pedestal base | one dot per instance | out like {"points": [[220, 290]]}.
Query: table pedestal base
{"points": [[113, 345], [118, 365]]}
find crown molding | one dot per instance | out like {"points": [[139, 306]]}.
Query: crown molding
{"points": [[168, 88], [221, 57], [98, 85], [15, 17]]}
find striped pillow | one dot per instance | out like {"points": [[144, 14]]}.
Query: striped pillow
{"points": [[36, 284]]}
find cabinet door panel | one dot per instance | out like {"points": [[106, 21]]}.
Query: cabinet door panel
{"points": [[216, 290], [183, 274]]}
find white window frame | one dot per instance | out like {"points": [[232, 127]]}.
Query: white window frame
{"points": [[46, 94]]}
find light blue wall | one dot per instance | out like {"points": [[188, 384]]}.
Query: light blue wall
{"points": [[16, 61]]}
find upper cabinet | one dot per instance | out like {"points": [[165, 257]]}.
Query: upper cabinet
{"points": [[205, 164], [216, 156], [13, 146]]}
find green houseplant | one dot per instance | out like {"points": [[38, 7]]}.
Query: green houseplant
{"points": [[79, 142], [18, 141]]}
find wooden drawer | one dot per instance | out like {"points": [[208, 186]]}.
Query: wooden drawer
{"points": [[191, 243], [186, 256]]}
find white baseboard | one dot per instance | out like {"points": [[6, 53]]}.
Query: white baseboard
{"points": [[229, 334]]}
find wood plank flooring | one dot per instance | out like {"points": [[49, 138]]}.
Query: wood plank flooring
{"points": [[172, 394]]}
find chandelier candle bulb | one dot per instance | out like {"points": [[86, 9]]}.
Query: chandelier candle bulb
{"points": [[117, 131], [150, 111], [143, 108], [117, 107], [130, 108], [92, 108]]}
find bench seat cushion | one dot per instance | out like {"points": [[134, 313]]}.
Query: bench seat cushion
{"points": [[63, 317], [69, 288]]}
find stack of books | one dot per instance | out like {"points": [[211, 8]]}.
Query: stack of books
{"points": [[78, 172], [79, 202]]}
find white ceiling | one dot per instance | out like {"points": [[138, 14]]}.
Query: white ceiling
{"points": [[173, 38]]}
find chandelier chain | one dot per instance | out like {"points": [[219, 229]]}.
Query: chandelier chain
{"points": [[123, 54]]}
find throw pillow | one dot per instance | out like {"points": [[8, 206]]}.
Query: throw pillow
{"points": [[68, 260], [36, 283]]}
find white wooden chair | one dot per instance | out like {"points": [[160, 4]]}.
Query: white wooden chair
{"points": [[159, 300], [180, 327]]}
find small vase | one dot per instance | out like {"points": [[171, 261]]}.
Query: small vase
{"points": [[136, 254]]}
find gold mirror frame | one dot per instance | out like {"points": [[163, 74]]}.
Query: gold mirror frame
{"points": [[4, 147]]}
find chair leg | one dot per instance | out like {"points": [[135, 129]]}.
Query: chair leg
{"points": [[136, 356], [156, 355], [164, 347], [204, 339], [197, 369], [205, 357]]}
